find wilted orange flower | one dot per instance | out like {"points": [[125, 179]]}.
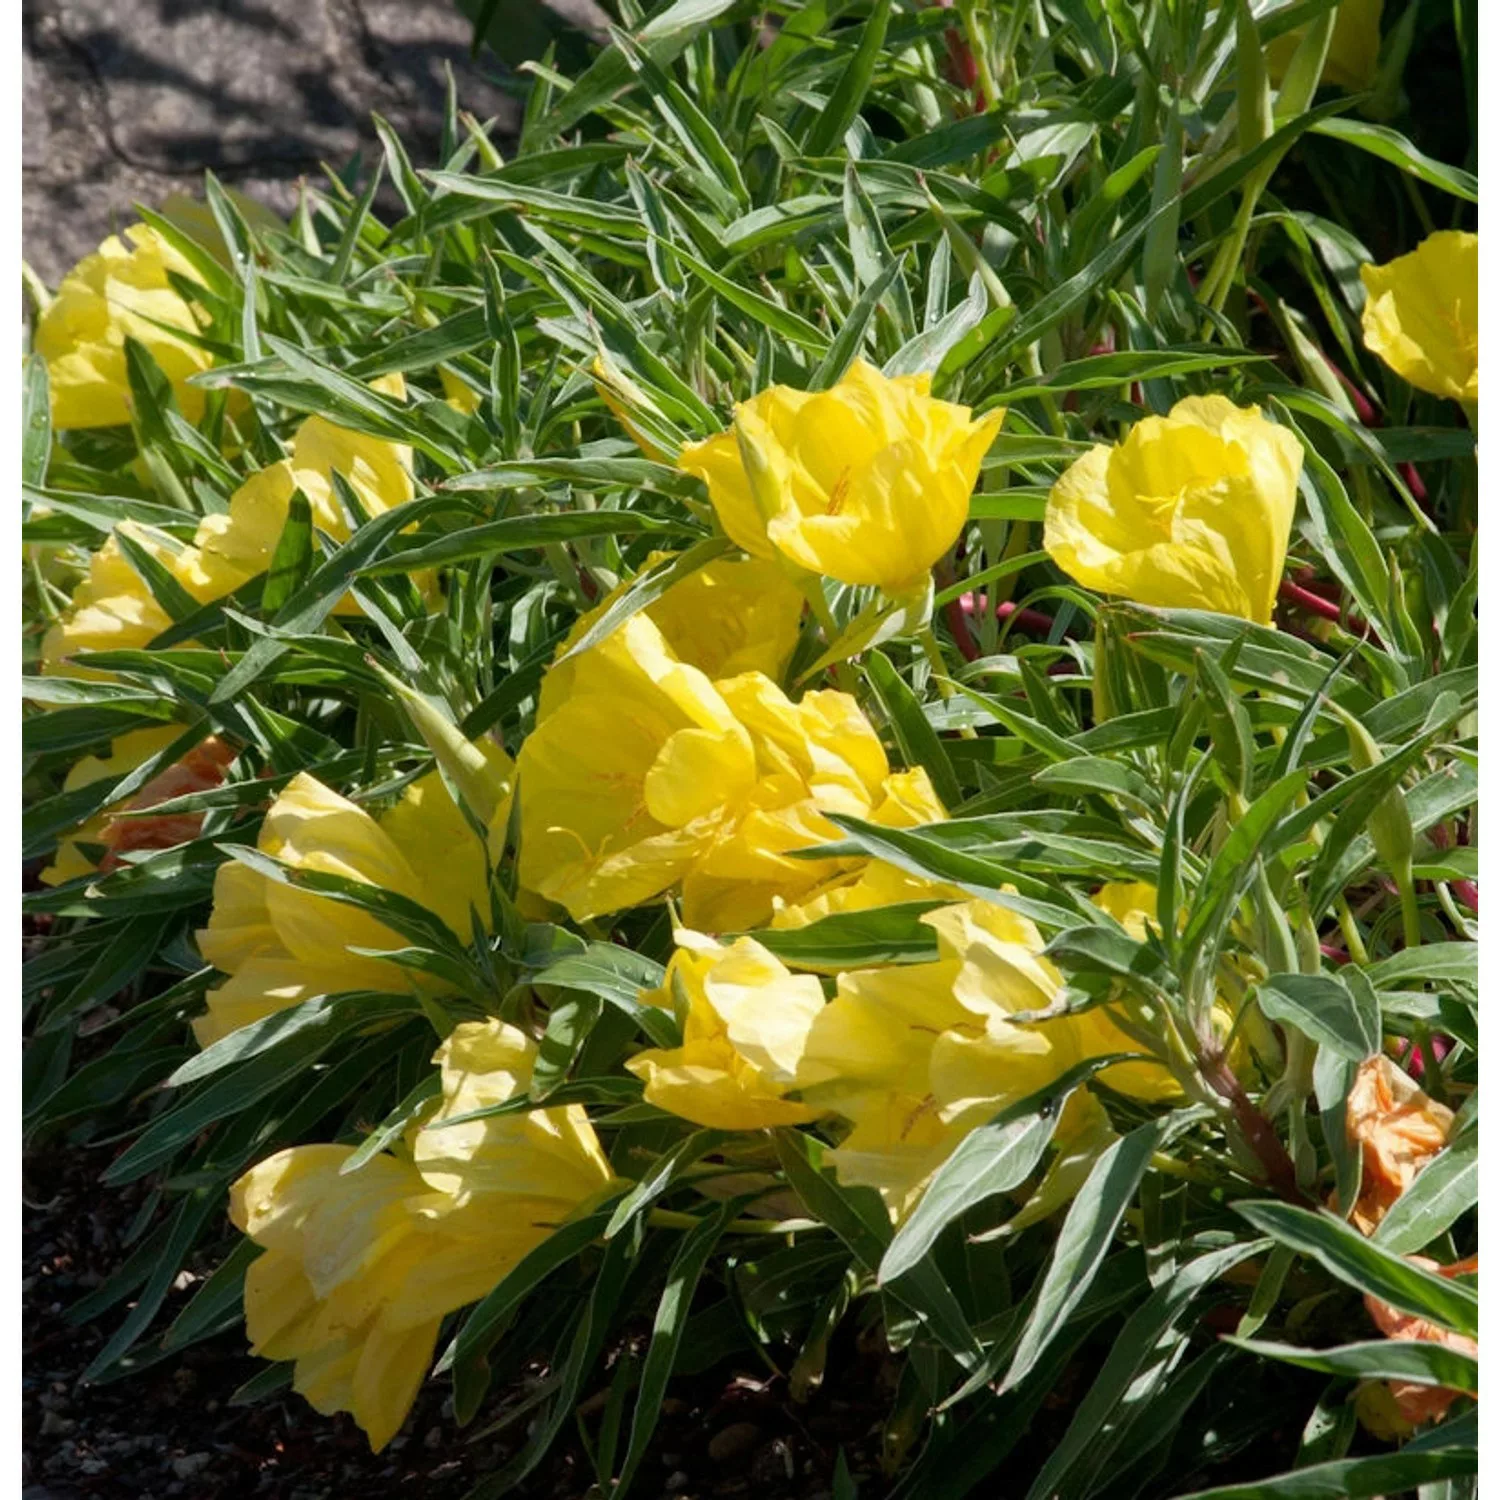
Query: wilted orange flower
{"points": [[1397, 1129], [117, 835], [1414, 1402], [201, 769]]}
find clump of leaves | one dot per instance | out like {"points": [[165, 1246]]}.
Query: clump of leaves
{"points": [[1081, 213]]}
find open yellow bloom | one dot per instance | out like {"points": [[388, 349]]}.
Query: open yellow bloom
{"points": [[745, 1020], [1421, 314], [733, 615], [361, 1267], [868, 482], [916, 1055], [908, 802], [546, 1161], [121, 290], [280, 945], [1192, 511], [1353, 58], [643, 774], [112, 609], [912, 1056]]}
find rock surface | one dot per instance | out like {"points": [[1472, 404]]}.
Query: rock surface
{"points": [[127, 101]]}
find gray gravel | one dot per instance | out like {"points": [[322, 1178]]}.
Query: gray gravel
{"points": [[129, 100]]}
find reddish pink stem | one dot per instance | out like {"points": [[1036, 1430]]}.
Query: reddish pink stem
{"points": [[1306, 599]]}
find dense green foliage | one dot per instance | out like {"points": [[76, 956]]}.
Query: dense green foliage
{"points": [[716, 203]]}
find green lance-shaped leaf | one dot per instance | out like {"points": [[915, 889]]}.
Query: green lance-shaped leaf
{"points": [[1374, 1270], [1086, 1235], [1326, 1009]]}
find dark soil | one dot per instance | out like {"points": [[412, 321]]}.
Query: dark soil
{"points": [[169, 1431]]}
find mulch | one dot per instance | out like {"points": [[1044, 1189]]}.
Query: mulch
{"points": [[168, 1430]]}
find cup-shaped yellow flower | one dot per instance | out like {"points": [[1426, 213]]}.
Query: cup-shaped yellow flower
{"points": [[908, 802], [1192, 511], [280, 945], [745, 1019], [1421, 314], [361, 1266], [545, 1160], [1353, 59], [915, 1056], [642, 774], [112, 609], [120, 291], [733, 615], [867, 482]]}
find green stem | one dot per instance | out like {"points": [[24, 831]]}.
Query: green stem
{"points": [[812, 591], [934, 655], [667, 1218], [1353, 941]]}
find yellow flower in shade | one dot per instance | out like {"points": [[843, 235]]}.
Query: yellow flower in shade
{"points": [[459, 394], [1192, 511], [545, 1160], [1353, 58], [115, 835], [745, 1020], [359, 1268], [121, 290], [112, 609], [280, 945], [643, 774], [868, 482], [915, 1056], [1422, 314]]}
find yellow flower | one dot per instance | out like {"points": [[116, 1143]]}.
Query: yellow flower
{"points": [[112, 609], [1422, 314], [744, 1024], [1192, 511], [1353, 59], [546, 1161], [868, 482], [361, 1267], [916, 1056], [642, 774], [459, 394], [280, 945], [121, 290], [732, 615]]}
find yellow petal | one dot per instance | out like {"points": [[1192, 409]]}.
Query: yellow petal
{"points": [[1192, 511], [1421, 314]]}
